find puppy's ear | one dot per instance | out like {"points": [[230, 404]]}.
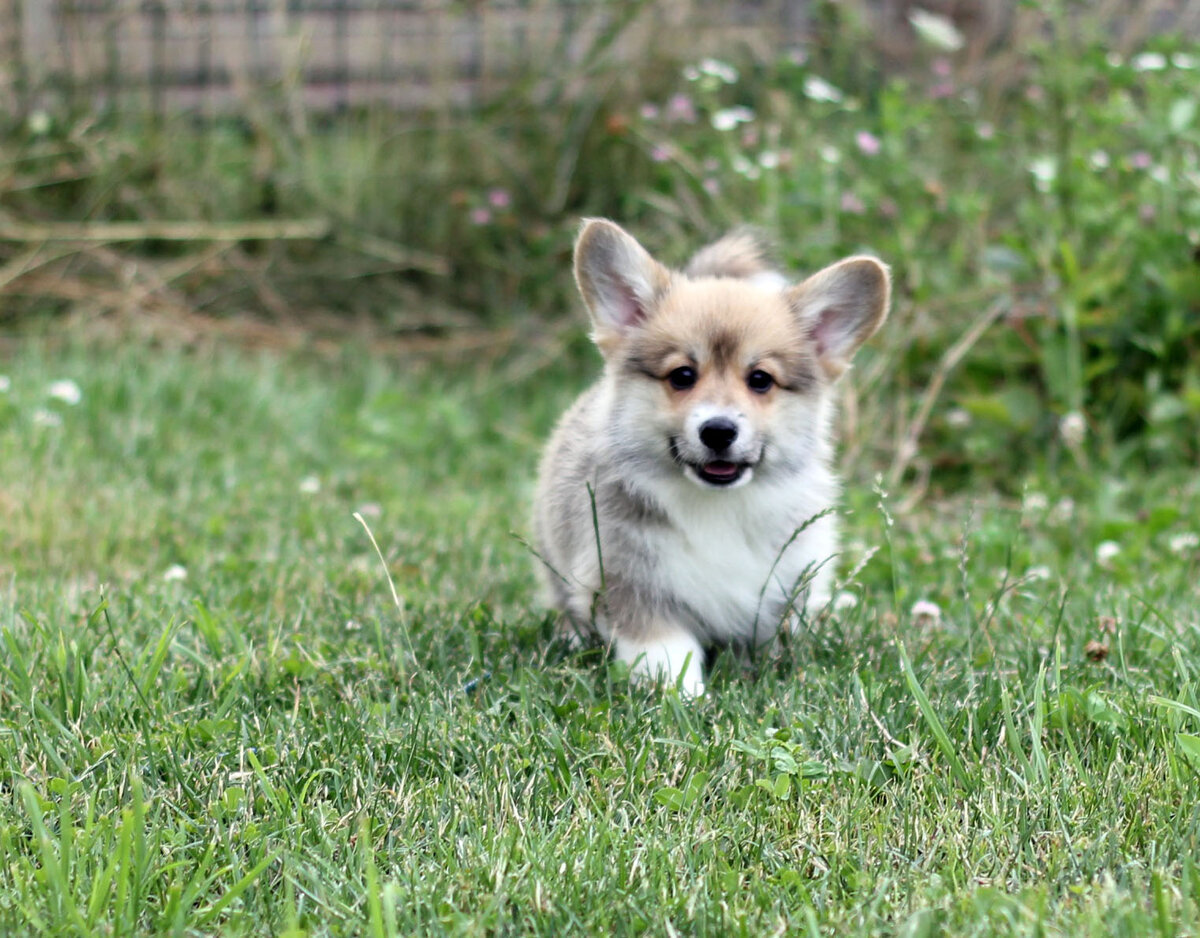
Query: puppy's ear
{"points": [[620, 282], [841, 307]]}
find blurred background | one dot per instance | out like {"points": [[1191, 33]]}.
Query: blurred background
{"points": [[291, 173]]}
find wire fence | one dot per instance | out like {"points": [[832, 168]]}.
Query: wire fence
{"points": [[208, 54], [211, 56]]}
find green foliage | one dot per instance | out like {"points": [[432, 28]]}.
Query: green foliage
{"points": [[215, 718]]}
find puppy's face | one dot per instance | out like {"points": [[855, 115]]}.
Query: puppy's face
{"points": [[721, 375], [721, 378]]}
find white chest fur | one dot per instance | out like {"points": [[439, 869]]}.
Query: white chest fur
{"points": [[735, 559]]}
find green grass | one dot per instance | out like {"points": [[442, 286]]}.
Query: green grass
{"points": [[271, 746]]}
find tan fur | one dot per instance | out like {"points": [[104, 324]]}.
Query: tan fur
{"points": [[702, 503]]}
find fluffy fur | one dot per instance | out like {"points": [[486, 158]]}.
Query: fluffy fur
{"points": [[686, 499]]}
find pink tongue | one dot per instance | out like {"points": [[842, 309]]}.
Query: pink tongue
{"points": [[720, 468]]}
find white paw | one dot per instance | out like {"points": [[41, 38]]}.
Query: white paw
{"points": [[676, 659]]}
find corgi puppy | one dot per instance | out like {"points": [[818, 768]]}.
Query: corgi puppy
{"points": [[686, 500]]}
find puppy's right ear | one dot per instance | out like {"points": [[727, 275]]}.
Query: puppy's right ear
{"points": [[620, 282]]}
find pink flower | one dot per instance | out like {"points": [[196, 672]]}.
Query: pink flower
{"points": [[661, 153], [1140, 160], [852, 204], [888, 208], [649, 111], [681, 109], [867, 142], [499, 198], [711, 186], [943, 89], [942, 67], [480, 216]]}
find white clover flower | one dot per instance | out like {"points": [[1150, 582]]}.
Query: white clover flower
{"points": [[1183, 542], [718, 69], [844, 600], [1160, 174], [985, 130], [1072, 428], [831, 154], [39, 123], [66, 391], [1039, 572], [926, 612], [1063, 511], [743, 166], [1044, 171], [958, 418], [1184, 61], [728, 118], [937, 31], [1099, 160], [818, 89], [768, 159], [1106, 551], [310, 485], [175, 573], [1149, 62], [5, 384], [46, 418], [1034, 501]]}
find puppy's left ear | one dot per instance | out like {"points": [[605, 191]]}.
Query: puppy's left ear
{"points": [[841, 307]]}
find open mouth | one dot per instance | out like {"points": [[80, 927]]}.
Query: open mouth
{"points": [[720, 472]]}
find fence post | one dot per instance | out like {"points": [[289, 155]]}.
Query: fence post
{"points": [[37, 45]]}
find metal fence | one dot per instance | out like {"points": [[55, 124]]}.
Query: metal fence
{"points": [[209, 54], [214, 55]]}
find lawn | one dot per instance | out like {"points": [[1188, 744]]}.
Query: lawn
{"points": [[272, 656], [214, 717]]}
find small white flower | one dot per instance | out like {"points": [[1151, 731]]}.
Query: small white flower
{"points": [[831, 154], [1063, 511], [1183, 542], [353, 626], [958, 418], [844, 600], [1106, 551], [5, 384], [1149, 62], [818, 89], [1184, 61], [926, 612], [690, 72], [718, 69], [39, 123], [1160, 174], [936, 30], [1072, 428], [310, 485], [1114, 60], [1040, 572], [66, 391], [46, 418], [742, 165], [1034, 501], [768, 159], [1099, 160], [985, 130], [1044, 171], [728, 118], [175, 573]]}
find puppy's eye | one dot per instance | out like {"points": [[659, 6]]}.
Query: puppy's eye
{"points": [[682, 378], [759, 381]]}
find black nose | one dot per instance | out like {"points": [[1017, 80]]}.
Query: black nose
{"points": [[717, 434]]}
